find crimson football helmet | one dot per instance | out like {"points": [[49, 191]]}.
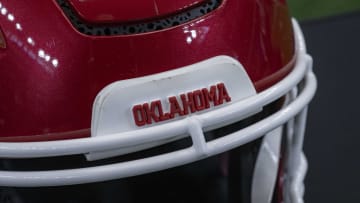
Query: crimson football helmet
{"points": [[166, 101]]}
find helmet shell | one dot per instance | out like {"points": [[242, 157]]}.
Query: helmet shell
{"points": [[51, 70]]}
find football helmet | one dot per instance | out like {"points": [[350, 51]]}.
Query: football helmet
{"points": [[205, 97]]}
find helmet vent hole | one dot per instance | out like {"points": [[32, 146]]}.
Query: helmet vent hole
{"points": [[137, 27]]}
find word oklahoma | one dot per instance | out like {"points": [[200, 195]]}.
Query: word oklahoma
{"points": [[181, 105]]}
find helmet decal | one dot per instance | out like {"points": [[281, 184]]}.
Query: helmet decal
{"points": [[181, 105]]}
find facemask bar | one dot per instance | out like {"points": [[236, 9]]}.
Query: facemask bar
{"points": [[295, 162], [193, 125]]}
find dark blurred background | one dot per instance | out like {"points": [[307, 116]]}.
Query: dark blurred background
{"points": [[332, 32]]}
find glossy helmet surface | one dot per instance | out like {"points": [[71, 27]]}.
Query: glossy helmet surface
{"points": [[140, 87]]}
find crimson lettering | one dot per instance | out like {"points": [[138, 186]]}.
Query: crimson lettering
{"points": [[223, 95], [139, 115], [199, 100], [184, 104], [188, 103], [210, 96]]}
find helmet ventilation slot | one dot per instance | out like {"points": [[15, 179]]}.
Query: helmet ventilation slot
{"points": [[137, 27]]}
